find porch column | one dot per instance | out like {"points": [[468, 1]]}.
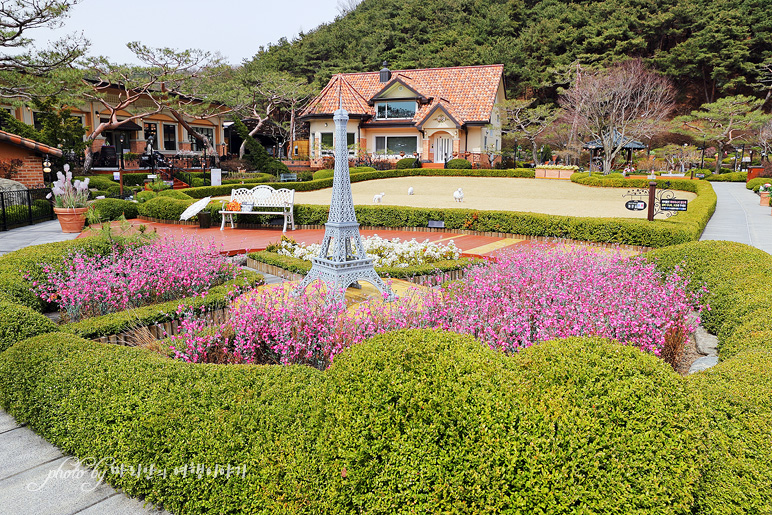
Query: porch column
{"points": [[456, 147], [425, 147]]}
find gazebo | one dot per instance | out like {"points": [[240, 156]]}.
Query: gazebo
{"points": [[597, 144]]}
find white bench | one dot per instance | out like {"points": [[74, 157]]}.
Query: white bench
{"points": [[262, 197]]}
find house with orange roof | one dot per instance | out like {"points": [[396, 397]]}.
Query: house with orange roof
{"points": [[435, 114]]}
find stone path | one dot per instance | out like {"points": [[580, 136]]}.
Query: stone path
{"points": [[739, 217], [44, 232]]}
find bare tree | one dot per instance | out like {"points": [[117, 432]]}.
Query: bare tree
{"points": [[618, 105], [765, 140], [524, 120]]}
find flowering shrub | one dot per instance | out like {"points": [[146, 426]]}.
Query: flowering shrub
{"points": [[385, 253], [165, 270], [526, 297], [522, 298], [270, 325], [68, 194]]}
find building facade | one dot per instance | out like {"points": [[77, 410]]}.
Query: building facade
{"points": [[434, 114]]}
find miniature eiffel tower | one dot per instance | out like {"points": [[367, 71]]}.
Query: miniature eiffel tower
{"points": [[342, 260]]}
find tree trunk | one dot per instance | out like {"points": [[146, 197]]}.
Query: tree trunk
{"points": [[535, 152], [252, 133], [719, 157], [200, 137], [88, 160], [291, 148]]}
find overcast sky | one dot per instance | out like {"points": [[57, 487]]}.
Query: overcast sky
{"points": [[236, 29]]}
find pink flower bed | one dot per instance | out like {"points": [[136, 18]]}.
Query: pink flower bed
{"points": [[522, 298], [165, 270]]}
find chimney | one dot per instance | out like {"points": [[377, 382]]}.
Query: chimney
{"points": [[385, 73]]}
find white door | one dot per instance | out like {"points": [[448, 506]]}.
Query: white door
{"points": [[443, 148]]}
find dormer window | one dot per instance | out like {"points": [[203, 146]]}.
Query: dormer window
{"points": [[395, 110]]}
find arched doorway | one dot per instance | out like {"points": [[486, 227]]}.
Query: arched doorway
{"points": [[443, 147]]}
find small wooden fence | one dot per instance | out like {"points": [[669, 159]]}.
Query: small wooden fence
{"points": [[145, 333]]}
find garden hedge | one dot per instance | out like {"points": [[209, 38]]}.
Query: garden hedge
{"points": [[113, 209], [458, 164], [318, 184], [299, 266], [755, 184], [728, 177], [737, 277], [164, 208], [19, 322], [409, 422]]}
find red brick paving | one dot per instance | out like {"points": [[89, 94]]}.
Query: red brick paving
{"points": [[237, 241]]}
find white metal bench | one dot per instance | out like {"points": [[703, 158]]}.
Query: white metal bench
{"points": [[262, 197]]}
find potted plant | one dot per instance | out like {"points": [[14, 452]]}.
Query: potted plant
{"points": [[70, 201], [764, 193]]}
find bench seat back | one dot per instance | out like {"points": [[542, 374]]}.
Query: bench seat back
{"points": [[264, 196]]}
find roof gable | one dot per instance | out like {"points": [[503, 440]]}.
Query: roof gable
{"points": [[468, 93], [397, 88]]}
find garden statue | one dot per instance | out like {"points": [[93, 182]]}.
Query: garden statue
{"points": [[342, 260]]}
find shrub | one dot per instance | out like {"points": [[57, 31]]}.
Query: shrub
{"points": [[112, 209], [134, 179], [144, 196], [739, 309], [164, 208], [100, 182], [459, 164], [737, 475], [409, 162], [755, 184], [19, 322], [728, 177], [423, 421], [174, 194], [323, 174]]}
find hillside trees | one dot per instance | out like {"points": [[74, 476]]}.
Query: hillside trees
{"points": [[724, 121], [618, 104]]}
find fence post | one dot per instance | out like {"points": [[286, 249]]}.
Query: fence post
{"points": [[29, 208], [2, 208]]}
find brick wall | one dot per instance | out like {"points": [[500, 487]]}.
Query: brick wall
{"points": [[31, 171]]}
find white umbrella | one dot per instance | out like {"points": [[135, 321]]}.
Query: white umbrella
{"points": [[195, 208]]}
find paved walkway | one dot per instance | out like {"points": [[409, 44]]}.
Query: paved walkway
{"points": [[36, 479], [739, 217], [44, 232]]}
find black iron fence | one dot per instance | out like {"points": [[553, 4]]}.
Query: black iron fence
{"points": [[24, 207]]}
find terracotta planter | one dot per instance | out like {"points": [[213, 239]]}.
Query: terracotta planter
{"points": [[72, 219], [764, 201]]}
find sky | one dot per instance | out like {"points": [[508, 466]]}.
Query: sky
{"points": [[235, 29]]}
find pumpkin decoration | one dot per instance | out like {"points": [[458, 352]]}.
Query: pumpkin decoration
{"points": [[233, 206]]}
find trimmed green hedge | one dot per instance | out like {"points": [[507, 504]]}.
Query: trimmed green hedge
{"points": [[755, 184], [164, 208], [737, 475], [327, 173], [318, 184], [737, 277], [19, 322], [409, 422], [458, 164], [176, 194], [115, 323], [113, 208], [299, 266], [728, 177]]}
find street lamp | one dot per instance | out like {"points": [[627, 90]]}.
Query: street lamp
{"points": [[120, 149], [47, 168]]}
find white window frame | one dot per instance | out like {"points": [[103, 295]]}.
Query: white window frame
{"points": [[386, 144], [325, 152], [386, 102]]}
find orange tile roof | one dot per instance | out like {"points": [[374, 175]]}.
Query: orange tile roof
{"points": [[468, 91], [30, 144]]}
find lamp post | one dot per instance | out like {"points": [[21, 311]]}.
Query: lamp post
{"points": [[224, 147], [47, 169], [203, 162], [120, 150]]}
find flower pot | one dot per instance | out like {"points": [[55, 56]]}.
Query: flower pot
{"points": [[72, 219], [764, 201]]}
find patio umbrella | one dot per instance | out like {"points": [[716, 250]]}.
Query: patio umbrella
{"points": [[195, 208]]}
